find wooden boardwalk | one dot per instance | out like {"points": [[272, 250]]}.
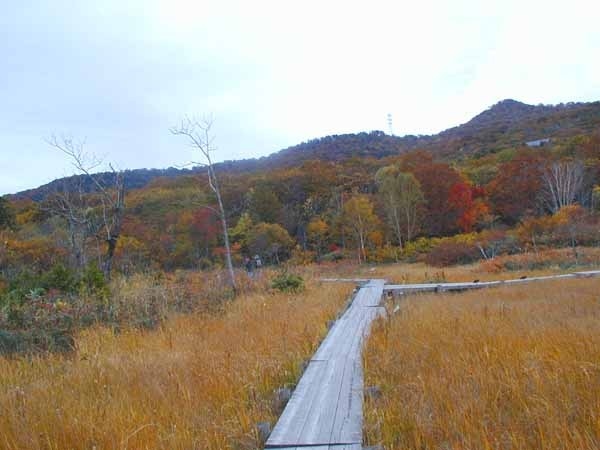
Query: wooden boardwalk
{"points": [[325, 410], [449, 287]]}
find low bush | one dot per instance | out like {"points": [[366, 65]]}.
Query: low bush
{"points": [[302, 257], [41, 312], [419, 246], [93, 283], [386, 254], [335, 255], [449, 253], [287, 282], [41, 321]]}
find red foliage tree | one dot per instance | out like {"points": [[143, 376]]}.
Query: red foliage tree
{"points": [[469, 204], [436, 179], [514, 192]]}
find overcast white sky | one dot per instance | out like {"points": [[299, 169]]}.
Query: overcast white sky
{"points": [[273, 73]]}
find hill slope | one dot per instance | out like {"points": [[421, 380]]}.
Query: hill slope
{"points": [[508, 123]]}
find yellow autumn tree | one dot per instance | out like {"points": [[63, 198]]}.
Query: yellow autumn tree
{"points": [[359, 220]]}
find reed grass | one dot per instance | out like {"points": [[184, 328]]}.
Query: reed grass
{"points": [[199, 381], [506, 368]]}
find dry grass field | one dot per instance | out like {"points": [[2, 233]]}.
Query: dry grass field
{"points": [[532, 264], [201, 381], [403, 273], [505, 368]]}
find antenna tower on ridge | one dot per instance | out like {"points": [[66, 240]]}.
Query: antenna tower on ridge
{"points": [[389, 121]]}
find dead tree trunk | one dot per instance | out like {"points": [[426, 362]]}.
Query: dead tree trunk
{"points": [[199, 135]]}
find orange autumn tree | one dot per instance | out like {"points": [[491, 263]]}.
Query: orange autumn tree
{"points": [[469, 204]]}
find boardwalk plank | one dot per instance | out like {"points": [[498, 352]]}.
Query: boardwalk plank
{"points": [[325, 411], [445, 287], [325, 447], [347, 426], [291, 423]]}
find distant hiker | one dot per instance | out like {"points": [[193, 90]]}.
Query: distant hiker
{"points": [[257, 261], [248, 264]]}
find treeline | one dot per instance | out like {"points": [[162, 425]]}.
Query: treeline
{"points": [[370, 209]]}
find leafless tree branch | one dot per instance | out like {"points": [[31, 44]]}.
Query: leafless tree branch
{"points": [[200, 137]]}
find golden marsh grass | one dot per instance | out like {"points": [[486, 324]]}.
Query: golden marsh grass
{"points": [[505, 368], [198, 382]]}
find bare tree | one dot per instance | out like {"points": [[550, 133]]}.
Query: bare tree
{"points": [[72, 205], [111, 196], [198, 134], [563, 181]]}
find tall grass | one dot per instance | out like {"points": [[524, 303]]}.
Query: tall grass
{"points": [[506, 368], [199, 381]]}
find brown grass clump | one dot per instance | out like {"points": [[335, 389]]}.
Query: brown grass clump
{"points": [[505, 368], [200, 381]]}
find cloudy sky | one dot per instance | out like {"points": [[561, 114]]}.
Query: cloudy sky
{"points": [[118, 74]]}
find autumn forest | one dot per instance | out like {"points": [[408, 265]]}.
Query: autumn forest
{"points": [[456, 197]]}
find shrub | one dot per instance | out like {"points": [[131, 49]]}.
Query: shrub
{"points": [[450, 253], [419, 246], [9, 343], [387, 253], [61, 278], [36, 322], [287, 282], [93, 282], [302, 257], [40, 312], [333, 256]]}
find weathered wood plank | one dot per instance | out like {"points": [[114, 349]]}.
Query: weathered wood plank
{"points": [[349, 409], [345, 280], [445, 287], [588, 273], [290, 425], [325, 410], [324, 447]]}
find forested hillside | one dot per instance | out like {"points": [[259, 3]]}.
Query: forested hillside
{"points": [[507, 124], [368, 196]]}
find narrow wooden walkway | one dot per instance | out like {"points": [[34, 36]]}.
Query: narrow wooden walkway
{"points": [[325, 411], [448, 287]]}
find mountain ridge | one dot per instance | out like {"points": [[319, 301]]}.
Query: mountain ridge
{"points": [[507, 123]]}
